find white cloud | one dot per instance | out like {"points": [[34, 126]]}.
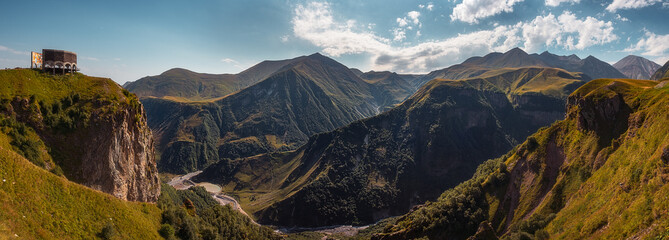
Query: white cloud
{"points": [[630, 4], [399, 34], [406, 23], [555, 3], [543, 30], [413, 15], [651, 44], [315, 23], [430, 6], [228, 60], [564, 30], [471, 11], [284, 38], [6, 49], [402, 22], [621, 18]]}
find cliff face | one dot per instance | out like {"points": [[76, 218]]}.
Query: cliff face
{"points": [[118, 158], [94, 131]]}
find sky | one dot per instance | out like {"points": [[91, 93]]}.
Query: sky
{"points": [[128, 40]]}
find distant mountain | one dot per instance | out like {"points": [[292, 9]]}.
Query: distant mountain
{"points": [[590, 66], [636, 67], [598, 174], [516, 57], [307, 96], [513, 58], [661, 73], [381, 166], [389, 88], [356, 71], [185, 85]]}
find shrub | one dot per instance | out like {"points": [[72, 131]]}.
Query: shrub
{"points": [[166, 231], [108, 231]]}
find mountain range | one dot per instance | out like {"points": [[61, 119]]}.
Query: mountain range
{"points": [[381, 166], [205, 122], [636, 67], [307, 95], [516, 57]]}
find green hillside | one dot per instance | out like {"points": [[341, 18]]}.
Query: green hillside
{"points": [[381, 166], [599, 174], [38, 204]]}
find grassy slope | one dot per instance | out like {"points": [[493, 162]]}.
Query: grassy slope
{"points": [[626, 196], [580, 183], [46, 87], [39, 205]]}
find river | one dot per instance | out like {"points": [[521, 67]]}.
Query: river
{"points": [[184, 182]]}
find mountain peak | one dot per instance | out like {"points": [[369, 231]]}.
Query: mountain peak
{"points": [[590, 58], [317, 54], [573, 57], [176, 70], [516, 51], [636, 67]]}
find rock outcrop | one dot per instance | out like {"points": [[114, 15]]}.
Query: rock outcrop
{"points": [[113, 152], [120, 159]]}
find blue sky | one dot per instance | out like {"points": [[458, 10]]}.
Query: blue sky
{"points": [[127, 40]]}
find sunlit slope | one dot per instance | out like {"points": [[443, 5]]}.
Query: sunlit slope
{"points": [[37, 204], [599, 174]]}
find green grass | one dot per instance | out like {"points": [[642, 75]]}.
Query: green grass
{"points": [[45, 87], [39, 205]]}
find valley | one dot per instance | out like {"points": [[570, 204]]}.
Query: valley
{"points": [[505, 146]]}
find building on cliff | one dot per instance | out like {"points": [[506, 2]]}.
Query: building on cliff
{"points": [[55, 61]]}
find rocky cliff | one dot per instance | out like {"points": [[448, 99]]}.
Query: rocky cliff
{"points": [[95, 131], [120, 157]]}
